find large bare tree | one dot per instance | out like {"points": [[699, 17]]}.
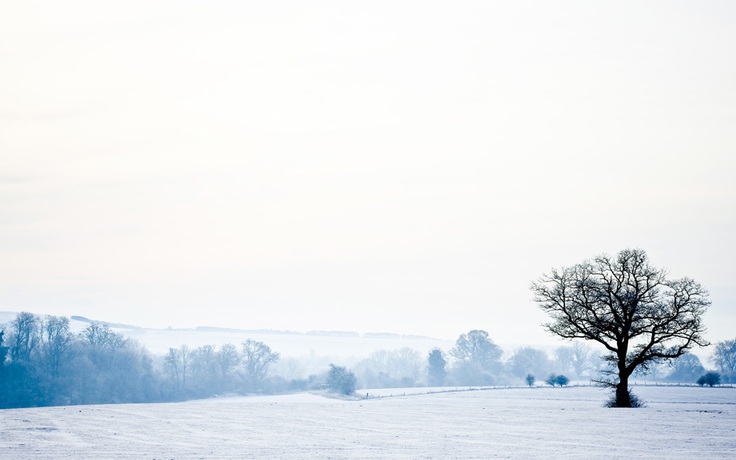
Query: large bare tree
{"points": [[629, 307]]}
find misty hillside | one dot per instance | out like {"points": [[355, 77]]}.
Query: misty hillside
{"points": [[54, 360], [345, 344]]}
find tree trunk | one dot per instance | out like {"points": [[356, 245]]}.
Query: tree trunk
{"points": [[623, 398]]}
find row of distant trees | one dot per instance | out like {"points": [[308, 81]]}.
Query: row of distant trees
{"points": [[477, 360], [43, 363], [474, 360]]}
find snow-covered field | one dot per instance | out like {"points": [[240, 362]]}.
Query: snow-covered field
{"points": [[496, 423]]}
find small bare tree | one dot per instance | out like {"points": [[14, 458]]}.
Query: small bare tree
{"points": [[629, 307]]}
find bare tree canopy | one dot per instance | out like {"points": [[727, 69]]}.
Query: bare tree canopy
{"points": [[724, 357], [257, 356], [629, 307], [476, 347]]}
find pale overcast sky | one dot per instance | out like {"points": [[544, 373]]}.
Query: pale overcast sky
{"points": [[393, 166]]}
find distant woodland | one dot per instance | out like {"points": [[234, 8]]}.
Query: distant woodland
{"points": [[43, 363]]}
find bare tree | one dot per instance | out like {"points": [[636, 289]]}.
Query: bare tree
{"points": [[227, 358], [102, 344], [177, 366], [724, 357], [686, 369], [390, 368], [55, 343], [24, 336], [257, 356], [101, 337], [527, 360], [629, 307], [477, 347], [575, 359], [204, 369], [478, 359]]}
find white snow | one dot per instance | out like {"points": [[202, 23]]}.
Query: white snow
{"points": [[678, 422]]}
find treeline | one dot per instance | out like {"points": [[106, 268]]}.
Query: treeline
{"points": [[43, 363], [476, 360]]}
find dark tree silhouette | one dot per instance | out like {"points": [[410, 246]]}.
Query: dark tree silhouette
{"points": [[555, 379], [711, 379], [629, 307]]}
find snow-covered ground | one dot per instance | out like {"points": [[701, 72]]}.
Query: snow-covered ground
{"points": [[545, 423]]}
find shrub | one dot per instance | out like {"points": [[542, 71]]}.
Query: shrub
{"points": [[711, 379], [635, 400], [554, 379], [340, 380]]}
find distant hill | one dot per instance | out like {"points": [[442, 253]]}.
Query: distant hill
{"points": [[341, 345], [112, 325]]}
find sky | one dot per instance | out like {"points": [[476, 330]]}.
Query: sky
{"points": [[402, 166]]}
